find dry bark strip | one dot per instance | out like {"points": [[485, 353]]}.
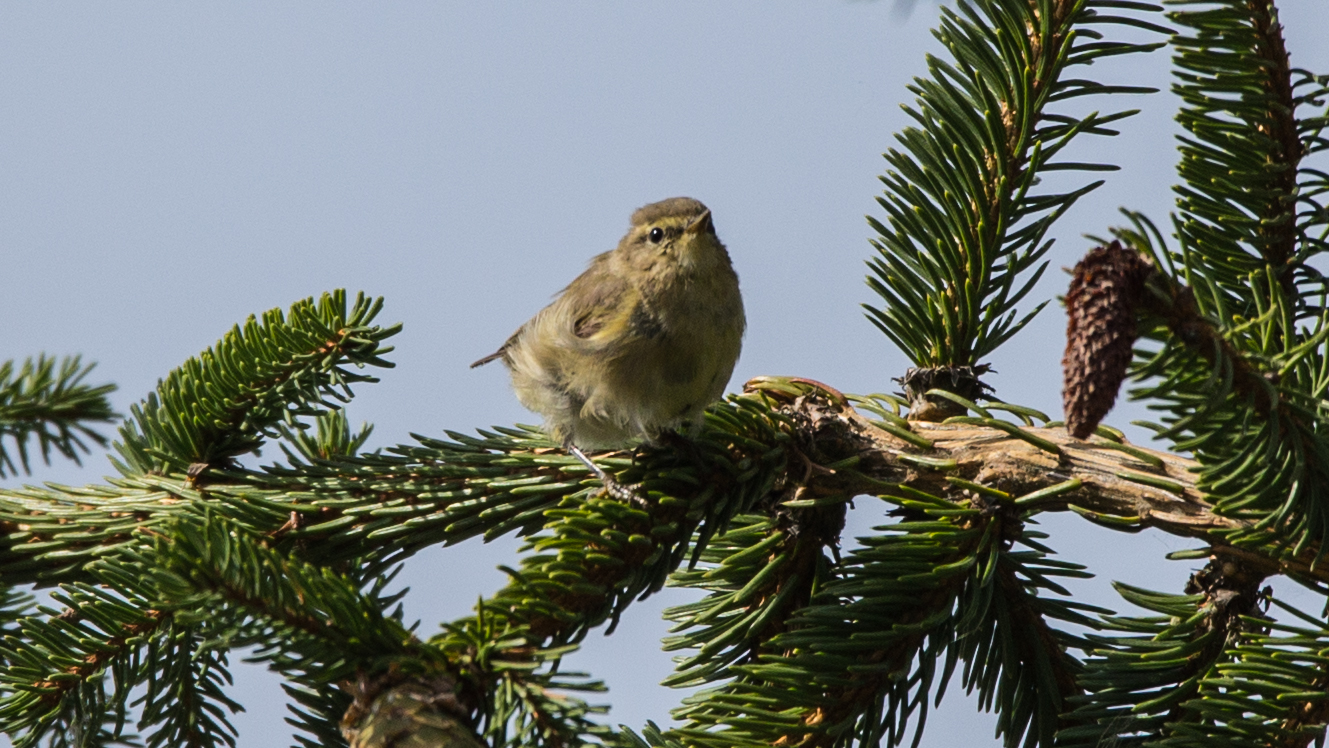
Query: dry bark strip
{"points": [[1113, 482]]}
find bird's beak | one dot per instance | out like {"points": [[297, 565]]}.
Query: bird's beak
{"points": [[701, 224]]}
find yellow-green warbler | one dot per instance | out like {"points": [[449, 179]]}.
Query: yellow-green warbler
{"points": [[638, 344]]}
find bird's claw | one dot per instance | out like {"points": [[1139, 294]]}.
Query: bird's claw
{"points": [[626, 493], [623, 492]]}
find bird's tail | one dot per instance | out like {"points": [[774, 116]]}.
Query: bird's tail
{"points": [[491, 357]]}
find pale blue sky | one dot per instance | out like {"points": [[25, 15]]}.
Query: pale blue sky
{"points": [[168, 168]]}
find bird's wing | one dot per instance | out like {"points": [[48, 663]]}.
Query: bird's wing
{"points": [[600, 304], [596, 305]]}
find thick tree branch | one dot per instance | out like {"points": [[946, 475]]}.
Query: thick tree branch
{"points": [[1119, 483], [1156, 489], [1115, 483]]}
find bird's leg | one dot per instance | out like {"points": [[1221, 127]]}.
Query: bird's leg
{"points": [[612, 487]]}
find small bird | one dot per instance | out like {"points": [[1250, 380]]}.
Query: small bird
{"points": [[637, 345]]}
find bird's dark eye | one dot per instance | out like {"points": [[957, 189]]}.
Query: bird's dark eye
{"points": [[657, 234]]}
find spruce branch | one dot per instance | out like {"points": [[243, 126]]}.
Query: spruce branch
{"points": [[87, 720], [52, 406], [114, 631], [1243, 388], [372, 508], [317, 714], [185, 697], [323, 632], [765, 569], [524, 700], [226, 401], [751, 459], [1242, 394], [862, 658], [1242, 202], [1283, 664], [213, 569], [1212, 669], [761, 572], [332, 437], [55, 663], [762, 705], [45, 530], [963, 239], [1139, 679], [14, 606], [743, 461], [312, 624], [596, 555]]}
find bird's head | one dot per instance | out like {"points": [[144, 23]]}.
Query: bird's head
{"points": [[674, 236]]}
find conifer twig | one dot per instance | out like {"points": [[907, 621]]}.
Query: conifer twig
{"points": [[52, 406]]}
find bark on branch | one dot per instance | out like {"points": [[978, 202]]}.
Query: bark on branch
{"points": [[1119, 484]]}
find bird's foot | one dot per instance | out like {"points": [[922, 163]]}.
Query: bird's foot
{"points": [[630, 494], [625, 492]]}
